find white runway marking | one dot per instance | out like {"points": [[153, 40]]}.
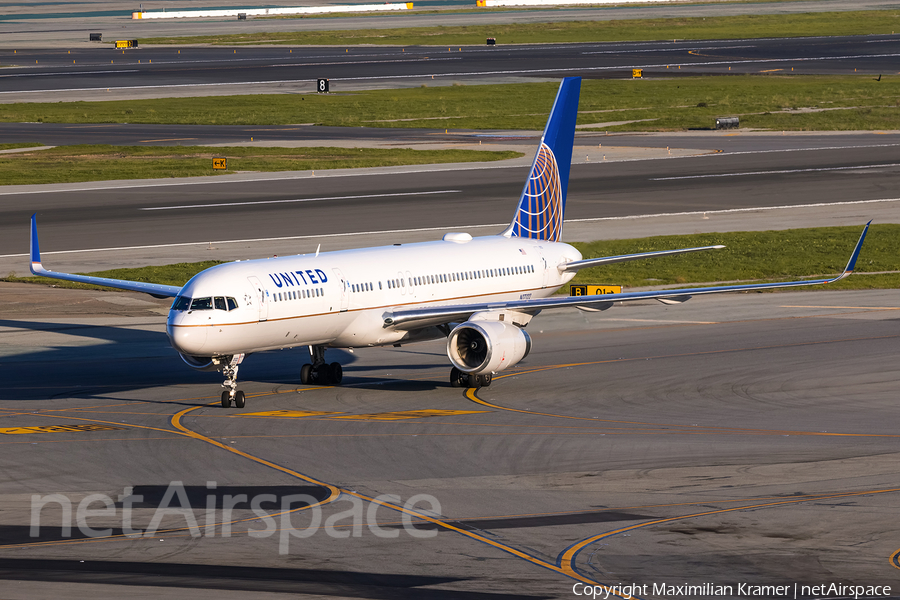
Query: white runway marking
{"points": [[780, 172], [292, 200], [452, 228], [477, 73], [732, 210]]}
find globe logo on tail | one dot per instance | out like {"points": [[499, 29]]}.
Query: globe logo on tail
{"points": [[540, 214]]}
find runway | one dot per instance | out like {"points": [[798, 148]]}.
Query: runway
{"points": [[739, 439], [90, 74], [32, 25], [254, 215]]}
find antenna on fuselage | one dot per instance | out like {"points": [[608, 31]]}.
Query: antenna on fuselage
{"points": [[317, 250]]}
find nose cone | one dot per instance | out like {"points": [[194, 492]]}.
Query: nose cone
{"points": [[185, 338]]}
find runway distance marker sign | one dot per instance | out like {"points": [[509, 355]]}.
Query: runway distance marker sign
{"points": [[594, 290]]}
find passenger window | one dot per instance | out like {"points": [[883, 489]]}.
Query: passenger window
{"points": [[181, 303], [232, 303], [201, 304], [220, 303]]}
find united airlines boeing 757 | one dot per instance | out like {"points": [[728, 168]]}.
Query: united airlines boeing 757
{"points": [[479, 293]]}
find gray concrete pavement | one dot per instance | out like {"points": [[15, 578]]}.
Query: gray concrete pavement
{"points": [[767, 415]]}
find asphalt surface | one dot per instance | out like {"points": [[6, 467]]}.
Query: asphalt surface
{"points": [[105, 74], [248, 216], [36, 25], [741, 439]]}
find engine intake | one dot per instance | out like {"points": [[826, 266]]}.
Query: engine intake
{"points": [[201, 363], [487, 346]]}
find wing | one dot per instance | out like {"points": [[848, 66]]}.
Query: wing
{"points": [[577, 265], [436, 315], [154, 289]]}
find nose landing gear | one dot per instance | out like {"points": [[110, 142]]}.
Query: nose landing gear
{"points": [[320, 372], [231, 393]]}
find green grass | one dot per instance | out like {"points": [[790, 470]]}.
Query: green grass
{"points": [[15, 146], [177, 274], [752, 256], [690, 28], [854, 102], [68, 164], [749, 256]]}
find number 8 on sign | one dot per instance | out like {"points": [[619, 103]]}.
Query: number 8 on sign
{"points": [[322, 85]]}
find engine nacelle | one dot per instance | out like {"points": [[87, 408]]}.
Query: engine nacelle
{"points": [[487, 346], [201, 363]]}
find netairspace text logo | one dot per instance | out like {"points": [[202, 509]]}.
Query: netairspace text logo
{"points": [[217, 515]]}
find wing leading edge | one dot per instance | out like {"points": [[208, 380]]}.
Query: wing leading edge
{"points": [[577, 265], [154, 289], [421, 317]]}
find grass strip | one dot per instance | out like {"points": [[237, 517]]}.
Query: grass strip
{"points": [[770, 101], [177, 274], [68, 164], [15, 146], [748, 256], [683, 28], [752, 256]]}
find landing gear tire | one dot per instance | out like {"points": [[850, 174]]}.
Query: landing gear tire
{"points": [[479, 381], [226, 399], [336, 373], [239, 399], [320, 372], [306, 374], [458, 378]]}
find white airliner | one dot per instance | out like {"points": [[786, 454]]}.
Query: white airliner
{"points": [[479, 293]]}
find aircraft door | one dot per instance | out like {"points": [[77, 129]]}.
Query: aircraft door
{"points": [[262, 303], [402, 284], [410, 287], [345, 295]]}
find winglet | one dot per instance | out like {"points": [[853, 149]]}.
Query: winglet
{"points": [[852, 263], [36, 266]]}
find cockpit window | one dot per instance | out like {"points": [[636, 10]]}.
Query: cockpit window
{"points": [[220, 303], [232, 303], [202, 304], [181, 303]]}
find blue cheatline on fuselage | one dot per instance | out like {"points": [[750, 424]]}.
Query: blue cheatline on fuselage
{"points": [[542, 205]]}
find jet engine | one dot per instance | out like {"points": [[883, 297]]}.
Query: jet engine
{"points": [[478, 347], [201, 363]]}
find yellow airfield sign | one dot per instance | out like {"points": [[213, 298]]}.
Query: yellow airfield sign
{"points": [[594, 290]]}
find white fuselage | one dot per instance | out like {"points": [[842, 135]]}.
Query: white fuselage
{"points": [[338, 299]]}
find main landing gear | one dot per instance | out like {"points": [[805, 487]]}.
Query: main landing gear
{"points": [[319, 371], [462, 379], [231, 393]]}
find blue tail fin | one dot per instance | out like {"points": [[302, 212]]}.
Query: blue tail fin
{"points": [[542, 205]]}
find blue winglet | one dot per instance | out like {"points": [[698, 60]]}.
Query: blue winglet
{"points": [[35, 247], [154, 289], [852, 263]]}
